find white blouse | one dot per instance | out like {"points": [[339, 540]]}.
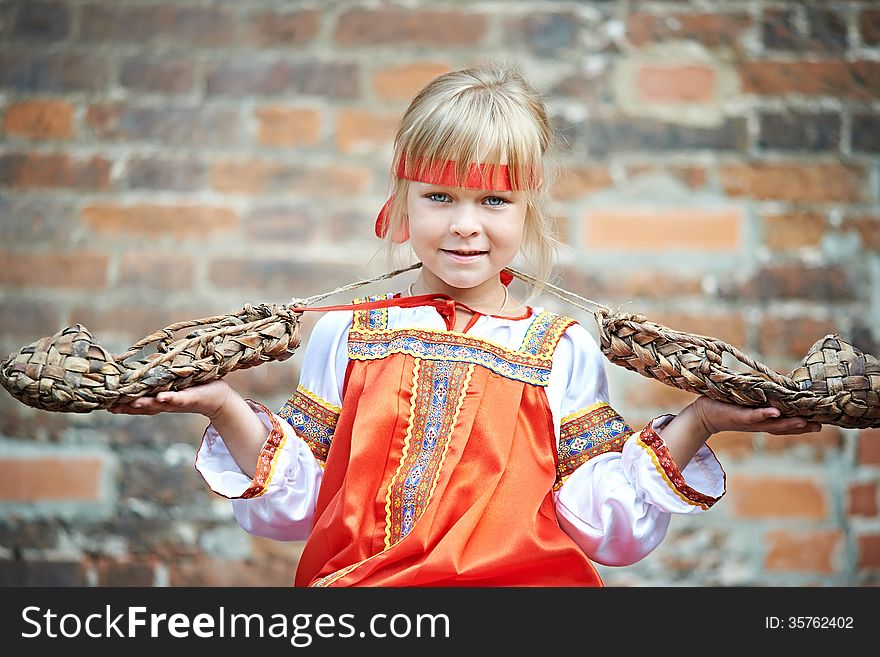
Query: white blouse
{"points": [[616, 506]]}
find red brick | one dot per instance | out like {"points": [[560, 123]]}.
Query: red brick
{"points": [[575, 182], [111, 572], [391, 26], [733, 445], [711, 30], [793, 230], [791, 337], [645, 393], [730, 328], [84, 269], [155, 220], [819, 183], [288, 126], [859, 80], [776, 497], [206, 571], [405, 81], [793, 280], [862, 499], [869, 26], [258, 177], [272, 28], [869, 551], [40, 119], [58, 479], [869, 447], [678, 229], [812, 552], [157, 271], [359, 131], [37, 170], [676, 84]]}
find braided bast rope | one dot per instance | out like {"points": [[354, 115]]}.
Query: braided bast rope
{"points": [[70, 372]]}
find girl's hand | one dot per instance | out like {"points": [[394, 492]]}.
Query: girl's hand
{"points": [[207, 399], [718, 416]]}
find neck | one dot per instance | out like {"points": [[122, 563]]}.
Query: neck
{"points": [[489, 297]]}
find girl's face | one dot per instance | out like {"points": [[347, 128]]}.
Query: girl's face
{"points": [[464, 236]]}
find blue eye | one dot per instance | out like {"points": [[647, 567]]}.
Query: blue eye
{"points": [[434, 197], [496, 201]]}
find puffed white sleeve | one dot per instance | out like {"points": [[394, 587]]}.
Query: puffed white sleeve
{"points": [[616, 488], [279, 501]]}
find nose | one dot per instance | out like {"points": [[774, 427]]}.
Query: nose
{"points": [[465, 221]]}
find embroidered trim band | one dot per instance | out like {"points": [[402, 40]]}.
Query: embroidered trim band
{"points": [[584, 435]]}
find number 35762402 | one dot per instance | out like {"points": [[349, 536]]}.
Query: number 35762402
{"points": [[809, 622]]}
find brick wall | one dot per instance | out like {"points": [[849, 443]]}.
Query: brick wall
{"points": [[168, 160]]}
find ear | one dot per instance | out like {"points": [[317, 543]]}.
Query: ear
{"points": [[401, 235]]}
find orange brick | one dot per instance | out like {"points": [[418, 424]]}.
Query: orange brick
{"points": [[790, 231], [361, 131], [817, 183], [404, 82], [286, 126], [804, 552], [682, 229], [818, 445], [578, 181], [776, 497], [191, 221], [41, 479], [676, 84], [869, 447], [863, 499], [63, 270], [40, 119]]}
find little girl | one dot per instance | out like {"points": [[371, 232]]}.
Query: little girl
{"points": [[450, 434]]}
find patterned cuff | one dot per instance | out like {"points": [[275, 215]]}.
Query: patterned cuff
{"points": [[268, 456], [656, 447]]}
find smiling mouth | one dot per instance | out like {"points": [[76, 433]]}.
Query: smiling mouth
{"points": [[464, 253]]}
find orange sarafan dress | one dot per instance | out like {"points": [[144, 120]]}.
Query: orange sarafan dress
{"points": [[445, 462]]}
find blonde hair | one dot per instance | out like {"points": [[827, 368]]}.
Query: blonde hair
{"points": [[486, 114]]}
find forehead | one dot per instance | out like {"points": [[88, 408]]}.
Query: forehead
{"points": [[418, 187]]}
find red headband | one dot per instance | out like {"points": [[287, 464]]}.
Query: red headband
{"points": [[477, 176]]}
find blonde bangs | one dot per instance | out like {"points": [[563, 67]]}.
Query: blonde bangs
{"points": [[477, 123]]}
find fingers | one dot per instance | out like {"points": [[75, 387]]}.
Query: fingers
{"points": [[788, 426], [162, 403]]}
